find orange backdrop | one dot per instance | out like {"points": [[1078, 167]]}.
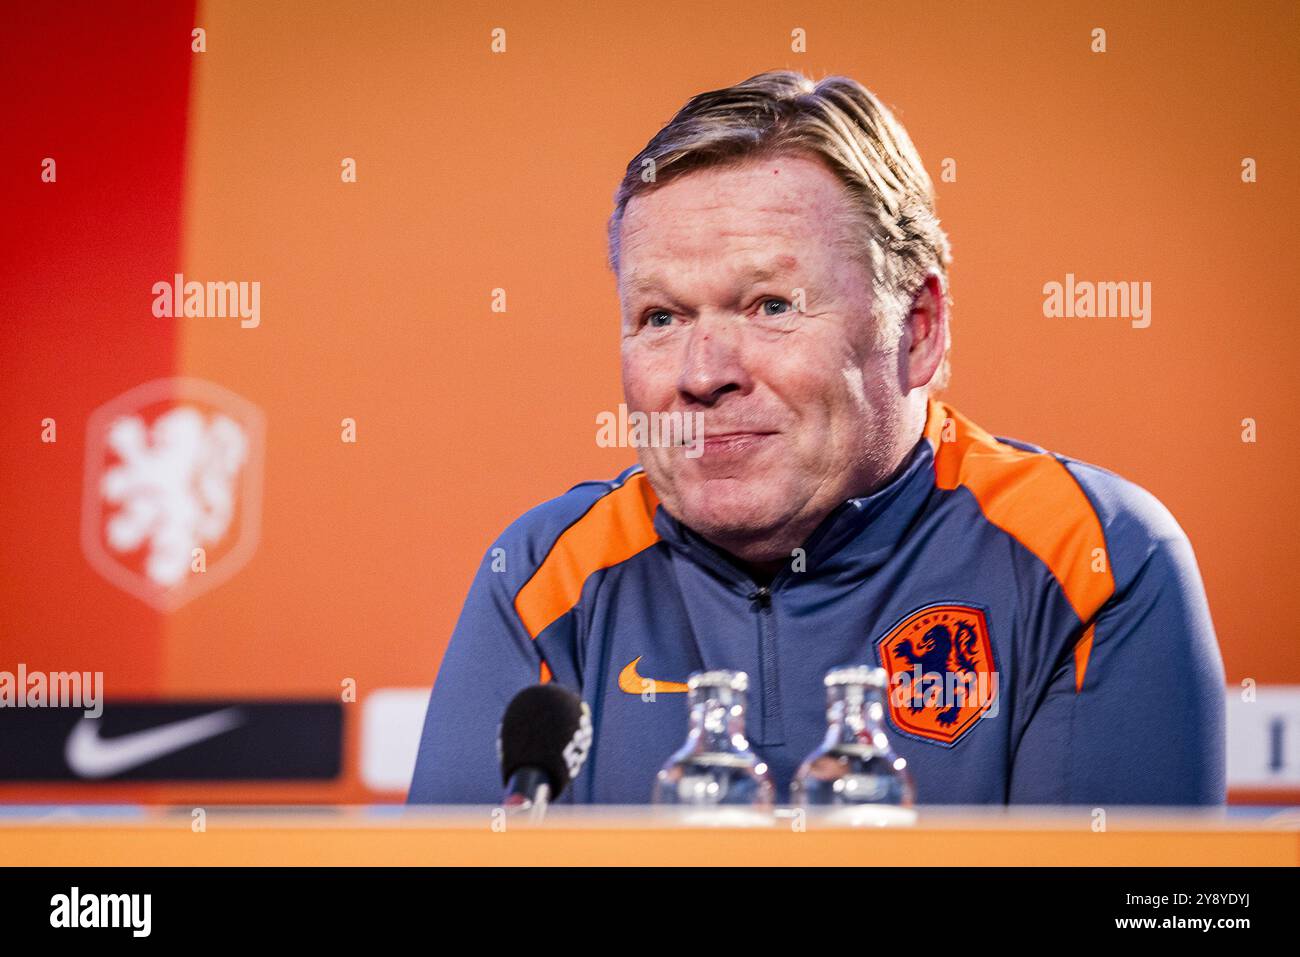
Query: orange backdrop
{"points": [[479, 171]]}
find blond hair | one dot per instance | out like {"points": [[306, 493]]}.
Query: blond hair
{"points": [[843, 123]]}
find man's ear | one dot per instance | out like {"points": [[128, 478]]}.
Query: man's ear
{"points": [[927, 333]]}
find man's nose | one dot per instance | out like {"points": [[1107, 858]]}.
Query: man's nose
{"points": [[713, 364]]}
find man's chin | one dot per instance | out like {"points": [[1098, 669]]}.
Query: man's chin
{"points": [[734, 511]]}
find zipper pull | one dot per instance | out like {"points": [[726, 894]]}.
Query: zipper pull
{"points": [[763, 596]]}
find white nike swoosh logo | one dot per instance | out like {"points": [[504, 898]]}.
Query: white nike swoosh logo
{"points": [[90, 756]]}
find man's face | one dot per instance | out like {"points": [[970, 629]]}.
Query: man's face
{"points": [[741, 299]]}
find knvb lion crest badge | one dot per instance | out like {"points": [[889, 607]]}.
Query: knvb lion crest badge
{"points": [[172, 496], [942, 678]]}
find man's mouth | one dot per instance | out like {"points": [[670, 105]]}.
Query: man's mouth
{"points": [[734, 443]]}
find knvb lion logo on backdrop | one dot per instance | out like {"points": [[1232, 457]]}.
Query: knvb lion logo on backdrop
{"points": [[172, 494]]}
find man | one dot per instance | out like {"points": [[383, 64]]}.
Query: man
{"points": [[781, 271]]}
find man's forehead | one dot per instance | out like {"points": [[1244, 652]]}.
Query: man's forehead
{"points": [[734, 227], [737, 212], [780, 187]]}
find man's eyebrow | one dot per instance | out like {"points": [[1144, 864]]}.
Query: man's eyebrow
{"points": [[642, 283], [755, 274], [777, 267], [651, 287]]}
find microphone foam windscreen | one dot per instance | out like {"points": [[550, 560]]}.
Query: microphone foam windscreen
{"points": [[545, 727]]}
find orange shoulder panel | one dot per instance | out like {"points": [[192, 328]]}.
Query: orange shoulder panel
{"points": [[618, 526], [1030, 496]]}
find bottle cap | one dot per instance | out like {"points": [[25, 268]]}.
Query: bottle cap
{"points": [[857, 675], [735, 680]]}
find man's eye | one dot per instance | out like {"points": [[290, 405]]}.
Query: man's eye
{"points": [[774, 307], [658, 318]]}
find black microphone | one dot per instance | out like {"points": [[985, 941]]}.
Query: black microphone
{"points": [[543, 741]]}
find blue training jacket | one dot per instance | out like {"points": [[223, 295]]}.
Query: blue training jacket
{"points": [[1067, 596]]}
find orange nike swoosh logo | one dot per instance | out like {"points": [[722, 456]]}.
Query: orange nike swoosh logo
{"points": [[633, 683]]}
